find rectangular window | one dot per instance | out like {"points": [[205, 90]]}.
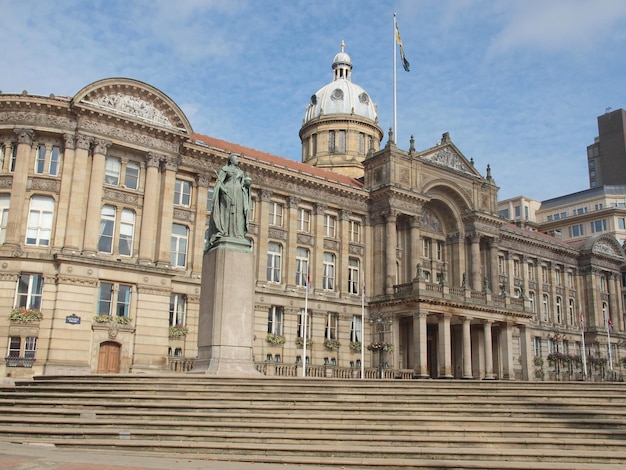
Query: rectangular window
{"points": [[55, 161], [355, 329], [209, 200], [501, 265], [559, 310], [361, 143], [621, 223], [426, 248], [314, 144], [274, 260], [557, 276], [531, 301], [131, 176], [15, 346], [328, 279], [304, 220], [570, 280], [537, 343], [301, 319], [516, 269], [40, 160], [105, 299], [30, 347], [332, 320], [112, 171], [4, 216], [571, 311], [182, 193], [177, 310], [331, 142], [544, 275], [127, 229], [353, 276], [275, 320], [518, 212], [122, 308], [302, 266], [107, 229], [531, 272], [39, 227], [440, 251], [330, 226], [29, 291], [13, 159], [545, 308], [276, 214], [341, 147], [178, 247], [355, 231]]}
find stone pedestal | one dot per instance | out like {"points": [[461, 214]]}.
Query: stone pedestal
{"points": [[225, 331]]}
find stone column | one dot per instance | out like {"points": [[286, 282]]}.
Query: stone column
{"points": [[261, 246], [149, 214], [444, 348], [494, 282], [488, 350], [416, 222], [506, 346], [25, 139], [614, 304], [526, 350], [67, 167], [79, 192], [467, 348], [391, 244], [94, 202], [420, 343], [196, 249], [317, 268], [164, 239], [341, 273], [477, 282]]}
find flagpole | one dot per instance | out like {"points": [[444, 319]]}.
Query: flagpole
{"points": [[363, 332], [395, 119], [306, 310], [608, 335], [582, 334]]}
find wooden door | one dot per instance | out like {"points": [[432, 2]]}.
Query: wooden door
{"points": [[109, 358]]}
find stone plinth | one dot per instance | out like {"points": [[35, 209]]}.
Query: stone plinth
{"points": [[225, 331]]}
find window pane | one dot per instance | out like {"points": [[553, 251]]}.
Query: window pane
{"points": [[106, 293], [54, 161], [131, 178], [123, 301], [112, 171], [127, 227]]}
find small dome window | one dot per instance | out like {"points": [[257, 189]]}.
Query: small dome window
{"points": [[364, 99], [337, 94]]}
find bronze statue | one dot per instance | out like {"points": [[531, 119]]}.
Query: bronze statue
{"points": [[231, 203]]}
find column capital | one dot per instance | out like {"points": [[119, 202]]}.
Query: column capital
{"points": [[69, 141], [266, 195], [154, 159], [320, 208], [202, 180], [169, 163], [83, 141], [25, 136], [345, 214], [101, 146], [293, 202]]}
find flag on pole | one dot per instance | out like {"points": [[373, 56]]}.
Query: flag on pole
{"points": [[609, 324], [364, 297], [308, 280], [405, 63], [582, 319]]}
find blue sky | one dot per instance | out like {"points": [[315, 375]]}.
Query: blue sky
{"points": [[518, 84]]}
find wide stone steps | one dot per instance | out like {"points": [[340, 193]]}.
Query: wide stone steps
{"points": [[345, 423]]}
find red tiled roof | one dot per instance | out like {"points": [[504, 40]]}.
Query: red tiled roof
{"points": [[276, 160], [537, 235]]}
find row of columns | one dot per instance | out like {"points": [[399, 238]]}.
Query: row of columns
{"points": [[444, 347], [82, 186]]}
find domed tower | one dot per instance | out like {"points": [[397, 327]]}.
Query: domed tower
{"points": [[341, 123]]}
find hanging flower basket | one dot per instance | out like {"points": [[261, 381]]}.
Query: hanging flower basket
{"points": [[380, 346], [300, 341], [25, 314], [332, 344], [108, 318], [275, 339], [177, 332], [355, 345]]}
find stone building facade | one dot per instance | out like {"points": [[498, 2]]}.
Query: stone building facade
{"points": [[105, 201]]}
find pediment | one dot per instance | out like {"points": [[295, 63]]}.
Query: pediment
{"points": [[135, 100], [450, 157]]}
